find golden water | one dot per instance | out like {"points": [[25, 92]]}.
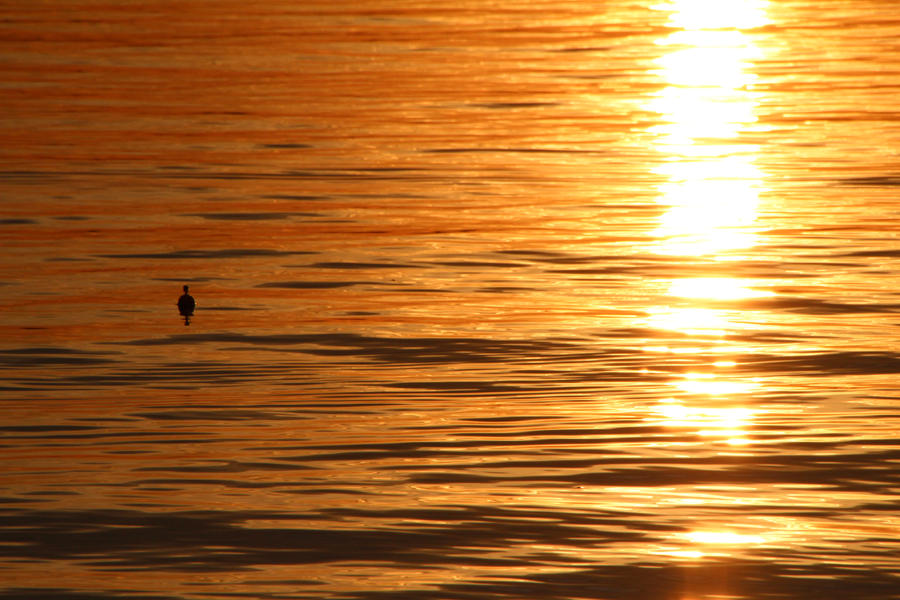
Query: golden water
{"points": [[590, 300]]}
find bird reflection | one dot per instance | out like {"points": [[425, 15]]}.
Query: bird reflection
{"points": [[186, 306]]}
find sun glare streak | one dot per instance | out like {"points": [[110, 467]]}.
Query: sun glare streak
{"points": [[723, 538], [716, 14], [691, 321], [724, 58], [712, 183], [716, 542], [716, 288], [710, 188], [678, 415], [697, 385], [726, 424], [731, 171]]}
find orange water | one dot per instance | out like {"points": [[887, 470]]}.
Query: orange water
{"points": [[531, 300]]}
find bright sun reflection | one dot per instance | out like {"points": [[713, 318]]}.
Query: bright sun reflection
{"points": [[725, 69], [712, 185], [702, 322], [728, 424], [716, 14], [703, 383], [716, 288], [723, 537], [713, 542], [709, 187]]}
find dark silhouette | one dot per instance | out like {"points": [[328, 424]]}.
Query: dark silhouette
{"points": [[186, 306]]}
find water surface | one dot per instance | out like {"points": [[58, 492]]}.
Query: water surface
{"points": [[540, 300]]}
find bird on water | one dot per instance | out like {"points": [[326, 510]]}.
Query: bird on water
{"points": [[186, 305]]}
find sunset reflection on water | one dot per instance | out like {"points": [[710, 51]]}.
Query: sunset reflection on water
{"points": [[556, 299], [712, 183], [711, 193]]}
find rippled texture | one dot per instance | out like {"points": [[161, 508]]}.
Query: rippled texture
{"points": [[525, 300]]}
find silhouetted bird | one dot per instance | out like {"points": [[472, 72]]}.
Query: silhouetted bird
{"points": [[186, 303]]}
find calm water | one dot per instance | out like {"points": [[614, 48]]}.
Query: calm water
{"points": [[570, 300]]}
